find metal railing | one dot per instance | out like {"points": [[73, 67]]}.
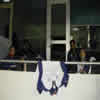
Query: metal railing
{"points": [[25, 62]]}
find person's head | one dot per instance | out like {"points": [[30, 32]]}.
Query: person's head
{"points": [[82, 53], [72, 44], [12, 51]]}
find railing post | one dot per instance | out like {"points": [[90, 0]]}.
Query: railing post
{"points": [[25, 67]]}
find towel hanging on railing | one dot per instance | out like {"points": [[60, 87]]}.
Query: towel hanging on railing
{"points": [[52, 76]]}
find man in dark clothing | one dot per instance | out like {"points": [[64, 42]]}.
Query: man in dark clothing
{"points": [[73, 55]]}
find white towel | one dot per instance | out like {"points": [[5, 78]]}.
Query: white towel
{"points": [[52, 71]]}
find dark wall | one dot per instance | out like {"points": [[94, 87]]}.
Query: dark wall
{"points": [[85, 12], [27, 13], [29, 20]]}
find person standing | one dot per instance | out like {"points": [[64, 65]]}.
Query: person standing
{"points": [[73, 55], [82, 68]]}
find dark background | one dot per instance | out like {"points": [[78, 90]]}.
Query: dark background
{"points": [[30, 19]]}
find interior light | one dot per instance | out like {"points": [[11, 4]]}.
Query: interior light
{"points": [[6, 0], [75, 29]]}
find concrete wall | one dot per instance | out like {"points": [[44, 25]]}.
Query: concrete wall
{"points": [[22, 86]]}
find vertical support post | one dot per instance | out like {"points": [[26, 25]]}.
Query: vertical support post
{"points": [[11, 24], [25, 67], [67, 26], [90, 70], [48, 31], [88, 27]]}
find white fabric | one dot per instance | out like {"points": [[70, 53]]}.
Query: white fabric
{"points": [[92, 59], [80, 67], [52, 71]]}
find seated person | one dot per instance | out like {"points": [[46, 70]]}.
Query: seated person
{"points": [[81, 67], [73, 55], [11, 56]]}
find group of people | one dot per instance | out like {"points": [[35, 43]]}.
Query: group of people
{"points": [[74, 55], [77, 54]]}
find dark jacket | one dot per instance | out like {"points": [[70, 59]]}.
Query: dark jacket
{"points": [[73, 55], [8, 65]]}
